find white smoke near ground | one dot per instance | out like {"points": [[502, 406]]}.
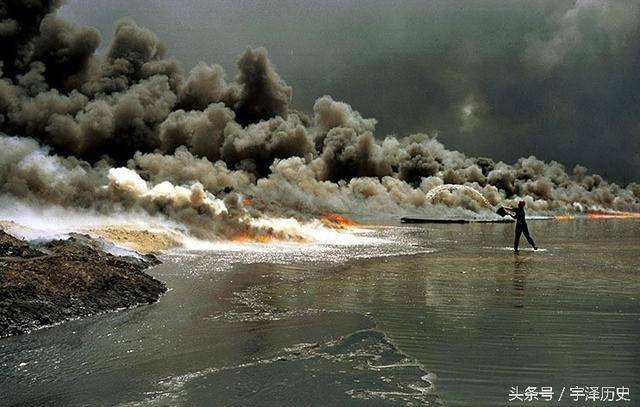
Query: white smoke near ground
{"points": [[125, 136]]}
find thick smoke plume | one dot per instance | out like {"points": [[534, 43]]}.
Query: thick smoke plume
{"points": [[128, 131]]}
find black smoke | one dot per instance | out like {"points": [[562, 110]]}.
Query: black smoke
{"points": [[127, 130], [554, 78]]}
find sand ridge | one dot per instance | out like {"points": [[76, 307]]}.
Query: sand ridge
{"points": [[138, 239]]}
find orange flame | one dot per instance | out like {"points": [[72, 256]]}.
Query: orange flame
{"points": [[248, 201], [247, 235], [595, 214], [333, 220]]}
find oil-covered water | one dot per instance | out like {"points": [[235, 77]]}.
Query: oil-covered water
{"points": [[426, 315]]}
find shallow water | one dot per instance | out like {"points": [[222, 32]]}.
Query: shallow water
{"points": [[433, 314]]}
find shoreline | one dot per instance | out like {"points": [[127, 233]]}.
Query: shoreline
{"points": [[45, 284]]}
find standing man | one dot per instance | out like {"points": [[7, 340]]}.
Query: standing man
{"points": [[521, 226]]}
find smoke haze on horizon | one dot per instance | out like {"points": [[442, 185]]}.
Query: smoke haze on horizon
{"points": [[556, 79], [128, 129]]}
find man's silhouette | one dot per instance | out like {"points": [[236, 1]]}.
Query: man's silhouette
{"points": [[521, 226]]}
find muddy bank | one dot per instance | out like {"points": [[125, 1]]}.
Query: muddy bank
{"points": [[45, 283]]}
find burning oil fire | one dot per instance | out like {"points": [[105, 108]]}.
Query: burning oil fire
{"points": [[336, 221], [220, 161], [598, 214], [272, 234]]}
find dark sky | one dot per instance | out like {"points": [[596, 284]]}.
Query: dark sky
{"points": [[553, 78]]}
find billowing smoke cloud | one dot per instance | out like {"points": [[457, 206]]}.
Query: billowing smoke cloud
{"points": [[205, 85], [31, 173], [557, 79], [201, 131], [263, 94], [127, 132], [20, 22]]}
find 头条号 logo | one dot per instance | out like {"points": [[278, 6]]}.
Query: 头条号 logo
{"points": [[575, 393]]}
